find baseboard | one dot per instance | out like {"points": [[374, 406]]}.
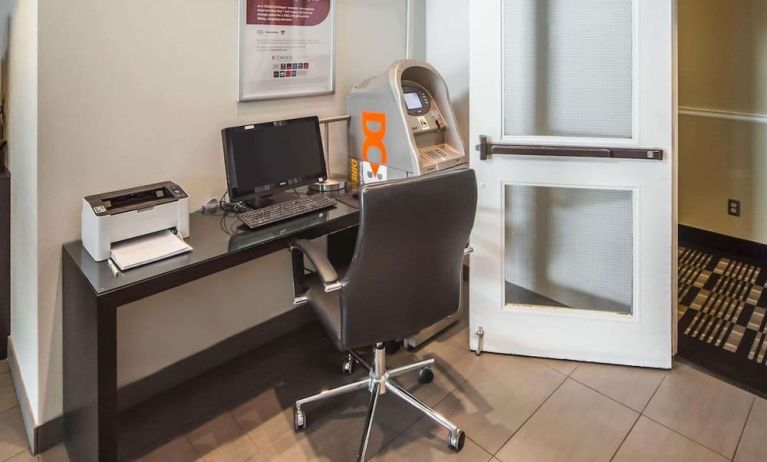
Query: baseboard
{"points": [[40, 437], [751, 252], [21, 396]]}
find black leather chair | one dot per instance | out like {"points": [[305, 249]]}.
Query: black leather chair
{"points": [[406, 274]]}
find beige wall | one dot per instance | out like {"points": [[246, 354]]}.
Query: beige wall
{"points": [[447, 49], [723, 67], [137, 91]]}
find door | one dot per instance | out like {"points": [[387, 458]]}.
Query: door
{"points": [[572, 111]]}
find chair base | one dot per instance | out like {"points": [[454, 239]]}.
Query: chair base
{"points": [[380, 381]]}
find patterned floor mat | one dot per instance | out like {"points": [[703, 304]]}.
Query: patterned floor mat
{"points": [[723, 316]]}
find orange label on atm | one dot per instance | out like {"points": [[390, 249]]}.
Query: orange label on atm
{"points": [[374, 128]]}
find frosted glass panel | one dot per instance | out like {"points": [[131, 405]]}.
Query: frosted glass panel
{"points": [[568, 68], [570, 247]]}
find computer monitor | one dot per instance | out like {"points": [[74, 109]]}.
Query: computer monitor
{"points": [[265, 158]]}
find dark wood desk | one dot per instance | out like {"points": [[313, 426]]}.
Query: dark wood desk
{"points": [[92, 294]]}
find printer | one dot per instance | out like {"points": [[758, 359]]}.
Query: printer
{"points": [[119, 215]]}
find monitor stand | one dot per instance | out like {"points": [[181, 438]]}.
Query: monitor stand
{"points": [[265, 201], [260, 202], [336, 183]]}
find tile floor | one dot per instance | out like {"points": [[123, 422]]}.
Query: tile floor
{"points": [[512, 409]]}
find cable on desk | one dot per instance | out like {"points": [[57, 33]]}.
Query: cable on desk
{"points": [[229, 228], [231, 207]]}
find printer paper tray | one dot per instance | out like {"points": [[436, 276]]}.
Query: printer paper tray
{"points": [[147, 249]]}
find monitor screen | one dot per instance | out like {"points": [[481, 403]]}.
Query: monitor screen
{"points": [[264, 158], [413, 101]]}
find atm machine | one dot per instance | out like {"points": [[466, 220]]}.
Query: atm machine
{"points": [[403, 125]]}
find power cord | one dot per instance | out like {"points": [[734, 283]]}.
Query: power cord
{"points": [[231, 207]]}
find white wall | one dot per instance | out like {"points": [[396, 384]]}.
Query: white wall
{"points": [[447, 49], [133, 92], [22, 151]]}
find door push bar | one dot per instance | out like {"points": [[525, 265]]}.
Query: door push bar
{"points": [[487, 149]]}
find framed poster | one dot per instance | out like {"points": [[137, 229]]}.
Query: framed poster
{"points": [[287, 48]]}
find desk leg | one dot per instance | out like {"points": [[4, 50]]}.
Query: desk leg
{"points": [[341, 246], [90, 370]]}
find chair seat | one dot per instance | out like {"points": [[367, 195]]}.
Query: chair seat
{"points": [[327, 307]]}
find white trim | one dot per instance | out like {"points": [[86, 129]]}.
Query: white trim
{"points": [[555, 311], [727, 115]]}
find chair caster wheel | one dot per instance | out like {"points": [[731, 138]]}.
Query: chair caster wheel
{"points": [[348, 367], [392, 346], [299, 420], [425, 375], [456, 440]]}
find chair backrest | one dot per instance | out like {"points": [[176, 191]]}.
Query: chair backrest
{"points": [[407, 269]]}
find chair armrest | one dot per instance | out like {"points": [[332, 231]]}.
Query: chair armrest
{"points": [[320, 261]]}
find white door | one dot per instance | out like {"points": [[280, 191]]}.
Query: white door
{"points": [[572, 109]]}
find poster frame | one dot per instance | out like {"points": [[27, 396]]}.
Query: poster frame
{"points": [[242, 57]]}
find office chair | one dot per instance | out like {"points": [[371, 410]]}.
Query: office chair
{"points": [[405, 275]]}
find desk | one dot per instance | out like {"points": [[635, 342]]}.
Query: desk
{"points": [[92, 294]]}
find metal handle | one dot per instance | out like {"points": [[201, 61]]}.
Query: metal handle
{"points": [[333, 119], [326, 124], [469, 249], [488, 149]]}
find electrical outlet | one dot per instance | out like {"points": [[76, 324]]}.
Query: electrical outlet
{"points": [[733, 207]]}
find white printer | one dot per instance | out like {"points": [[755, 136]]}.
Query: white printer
{"points": [[116, 216]]}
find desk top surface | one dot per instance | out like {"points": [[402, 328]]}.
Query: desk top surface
{"points": [[212, 237]]}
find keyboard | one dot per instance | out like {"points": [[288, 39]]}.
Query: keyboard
{"points": [[284, 210]]}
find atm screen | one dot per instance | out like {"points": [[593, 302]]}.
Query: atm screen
{"points": [[413, 101]]}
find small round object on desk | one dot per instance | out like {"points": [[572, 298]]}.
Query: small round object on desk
{"points": [[329, 185], [210, 207]]}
